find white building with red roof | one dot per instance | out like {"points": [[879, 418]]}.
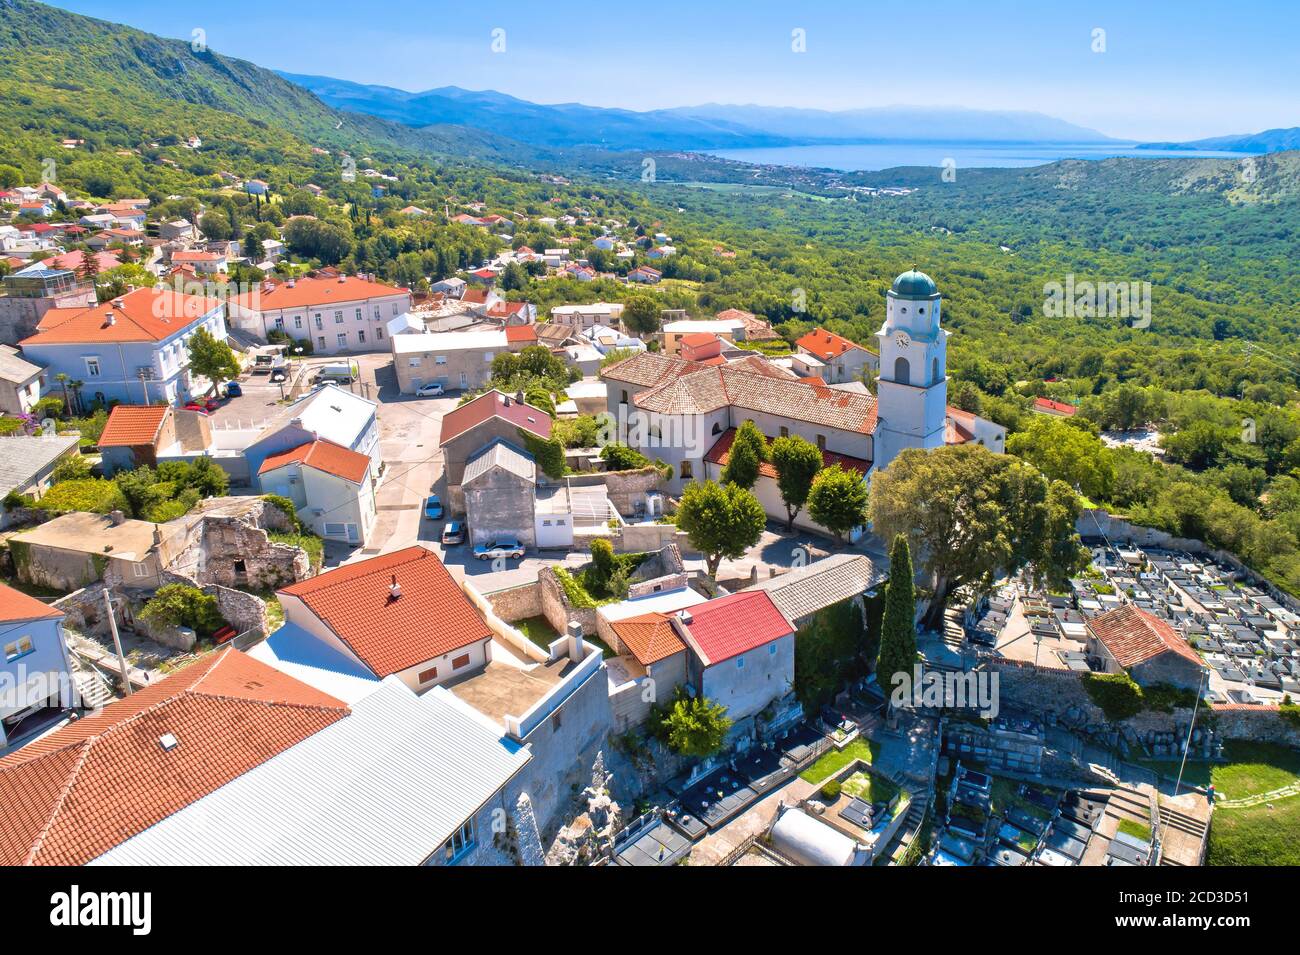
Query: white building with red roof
{"points": [[837, 358], [332, 487], [344, 313]]}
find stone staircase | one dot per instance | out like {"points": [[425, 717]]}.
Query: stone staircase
{"points": [[1172, 818], [93, 688], [954, 631]]}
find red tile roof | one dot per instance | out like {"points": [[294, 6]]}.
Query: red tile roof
{"points": [[16, 605], [1133, 636], [145, 315], [726, 627], [432, 617], [130, 426], [316, 292], [720, 454], [821, 343], [1048, 406], [323, 456], [521, 333], [494, 404], [695, 339], [73, 795], [649, 637]]}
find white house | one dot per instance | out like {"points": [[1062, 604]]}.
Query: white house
{"points": [[332, 488], [343, 314]]}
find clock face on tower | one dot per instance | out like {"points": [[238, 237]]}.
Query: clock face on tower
{"points": [[902, 340]]}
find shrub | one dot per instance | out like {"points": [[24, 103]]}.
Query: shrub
{"points": [[285, 507], [619, 457], [48, 407], [1117, 695], [313, 545], [93, 494], [831, 791], [71, 467], [602, 563], [696, 727], [180, 605]]}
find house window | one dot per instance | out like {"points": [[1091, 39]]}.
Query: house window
{"points": [[338, 317], [92, 367], [625, 397], [785, 432], [428, 676], [379, 334], [460, 661], [359, 318], [821, 442], [546, 523], [19, 648], [440, 360], [559, 522], [771, 649], [321, 342], [378, 314], [717, 428], [460, 843], [318, 321], [297, 321], [487, 357], [361, 337], [343, 339], [140, 570], [279, 324], [395, 311], [415, 361], [740, 663], [686, 469]]}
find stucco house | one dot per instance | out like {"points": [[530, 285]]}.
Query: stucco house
{"points": [[455, 360], [500, 488], [133, 349], [840, 359], [340, 314], [35, 668], [1131, 640], [492, 416], [331, 486], [20, 382], [332, 414]]}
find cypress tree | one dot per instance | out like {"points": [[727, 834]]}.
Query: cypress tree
{"points": [[898, 628]]}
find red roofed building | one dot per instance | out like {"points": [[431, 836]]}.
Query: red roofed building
{"points": [[331, 486], [519, 337], [71, 796], [1058, 408], [1149, 649], [836, 359], [336, 313], [399, 614], [476, 424], [742, 651]]}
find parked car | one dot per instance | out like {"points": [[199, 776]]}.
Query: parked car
{"points": [[234, 390], [506, 547], [433, 508], [203, 406], [431, 390], [453, 533]]}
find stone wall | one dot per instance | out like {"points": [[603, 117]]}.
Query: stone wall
{"points": [[516, 603], [555, 605], [210, 552], [625, 488]]}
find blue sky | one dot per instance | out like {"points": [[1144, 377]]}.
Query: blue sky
{"points": [[1170, 70]]}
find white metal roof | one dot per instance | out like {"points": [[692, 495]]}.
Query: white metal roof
{"points": [[503, 455], [22, 457], [664, 602], [809, 841], [386, 785], [333, 413], [441, 342]]}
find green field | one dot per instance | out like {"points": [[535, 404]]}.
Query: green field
{"points": [[1259, 835], [1252, 768]]}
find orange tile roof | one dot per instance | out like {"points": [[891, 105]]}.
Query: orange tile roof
{"points": [[145, 315], [695, 339], [16, 605], [1049, 406], [720, 454], [432, 616], [1133, 636], [822, 343], [323, 456], [71, 796], [649, 637], [311, 292], [130, 426], [521, 333]]}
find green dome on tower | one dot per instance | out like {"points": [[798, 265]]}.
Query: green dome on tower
{"points": [[914, 285]]}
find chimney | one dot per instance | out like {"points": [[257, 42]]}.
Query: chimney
{"points": [[685, 617], [394, 589], [577, 648], [157, 536], [110, 318], [117, 517]]}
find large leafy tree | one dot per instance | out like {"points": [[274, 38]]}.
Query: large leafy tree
{"points": [[696, 727], [720, 520], [898, 629], [1065, 452], [972, 515], [797, 462], [641, 315], [747, 454], [838, 500], [211, 358]]}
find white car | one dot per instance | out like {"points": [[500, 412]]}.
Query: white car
{"points": [[431, 390]]}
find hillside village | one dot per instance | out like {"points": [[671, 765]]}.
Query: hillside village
{"points": [[574, 582]]}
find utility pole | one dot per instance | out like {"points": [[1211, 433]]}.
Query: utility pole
{"points": [[117, 643]]}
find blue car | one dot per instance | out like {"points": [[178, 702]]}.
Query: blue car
{"points": [[433, 508], [233, 390]]}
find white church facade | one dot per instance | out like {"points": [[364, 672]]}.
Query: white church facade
{"points": [[686, 414]]}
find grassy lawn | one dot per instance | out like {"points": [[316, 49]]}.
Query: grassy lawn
{"points": [[1138, 830], [539, 630], [1252, 768], [831, 763], [1006, 795], [1256, 836], [870, 787]]}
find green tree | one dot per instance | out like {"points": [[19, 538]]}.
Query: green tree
{"points": [[514, 278], [210, 358], [748, 452], [696, 727], [720, 520], [641, 315], [838, 500], [797, 462], [973, 514], [602, 563], [1066, 453], [898, 629]]}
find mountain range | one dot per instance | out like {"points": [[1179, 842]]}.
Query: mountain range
{"points": [[711, 126]]}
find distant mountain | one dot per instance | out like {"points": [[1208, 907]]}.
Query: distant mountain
{"points": [[1269, 141], [711, 126]]}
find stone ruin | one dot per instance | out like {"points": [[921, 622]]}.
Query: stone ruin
{"points": [[590, 837]]}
